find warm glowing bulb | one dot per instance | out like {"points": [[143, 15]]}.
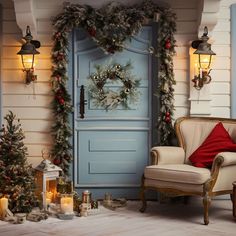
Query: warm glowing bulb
{"points": [[205, 61], [28, 61]]}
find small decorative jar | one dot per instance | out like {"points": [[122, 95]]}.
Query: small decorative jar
{"points": [[86, 197]]}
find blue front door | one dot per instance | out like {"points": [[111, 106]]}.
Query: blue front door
{"points": [[111, 147]]}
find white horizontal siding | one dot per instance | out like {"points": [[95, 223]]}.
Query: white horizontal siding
{"points": [[30, 113], [15, 88], [17, 75], [16, 100], [35, 125]]}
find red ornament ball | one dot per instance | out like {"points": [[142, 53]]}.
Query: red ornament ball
{"points": [[167, 119], [167, 113], [57, 161], [57, 78], [58, 35], [60, 57], [61, 101], [168, 44]]}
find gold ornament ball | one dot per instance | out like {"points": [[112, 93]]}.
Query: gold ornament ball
{"points": [[127, 91], [118, 67]]}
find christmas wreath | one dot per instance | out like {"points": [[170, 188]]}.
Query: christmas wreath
{"points": [[110, 99], [110, 26]]}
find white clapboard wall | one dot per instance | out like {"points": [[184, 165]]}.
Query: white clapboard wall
{"points": [[32, 104]]}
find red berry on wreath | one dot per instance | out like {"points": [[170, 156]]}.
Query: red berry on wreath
{"points": [[57, 77], [111, 50], [167, 113], [167, 119], [92, 32], [61, 101], [57, 161], [59, 91], [58, 35], [167, 44], [60, 57]]}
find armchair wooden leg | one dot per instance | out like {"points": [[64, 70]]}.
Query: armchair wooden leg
{"points": [[142, 197], [206, 204]]}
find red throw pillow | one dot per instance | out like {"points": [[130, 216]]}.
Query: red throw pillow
{"points": [[217, 141]]}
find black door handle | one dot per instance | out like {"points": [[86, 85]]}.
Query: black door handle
{"points": [[82, 103]]}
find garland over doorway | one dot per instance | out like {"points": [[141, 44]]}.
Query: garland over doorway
{"points": [[110, 26]]}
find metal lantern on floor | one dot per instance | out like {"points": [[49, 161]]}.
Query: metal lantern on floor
{"points": [[46, 182]]}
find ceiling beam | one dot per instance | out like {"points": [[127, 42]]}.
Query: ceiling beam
{"points": [[24, 10], [208, 15]]}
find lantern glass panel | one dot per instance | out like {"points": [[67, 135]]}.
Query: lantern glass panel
{"points": [[28, 61], [205, 61], [51, 190]]}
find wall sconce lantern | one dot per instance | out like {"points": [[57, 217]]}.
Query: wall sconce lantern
{"points": [[202, 67], [28, 52]]}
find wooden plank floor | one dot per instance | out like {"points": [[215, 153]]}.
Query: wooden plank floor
{"points": [[166, 219]]}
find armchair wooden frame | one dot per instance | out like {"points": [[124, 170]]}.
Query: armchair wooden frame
{"points": [[207, 192]]}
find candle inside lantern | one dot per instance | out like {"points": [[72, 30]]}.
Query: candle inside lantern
{"points": [[49, 195], [67, 204], [201, 73], [3, 205], [48, 201]]}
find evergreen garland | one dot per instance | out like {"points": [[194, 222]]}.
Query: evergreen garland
{"points": [[16, 175], [109, 26]]}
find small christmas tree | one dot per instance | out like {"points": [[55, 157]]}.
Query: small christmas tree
{"points": [[16, 175]]}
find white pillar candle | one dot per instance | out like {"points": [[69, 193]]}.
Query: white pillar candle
{"points": [[4, 204], [200, 72], [67, 204]]}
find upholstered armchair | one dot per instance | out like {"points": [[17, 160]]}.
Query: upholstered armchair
{"points": [[171, 171]]}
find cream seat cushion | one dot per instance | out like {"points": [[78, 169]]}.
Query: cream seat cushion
{"points": [[179, 173]]}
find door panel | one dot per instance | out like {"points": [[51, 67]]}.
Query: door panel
{"points": [[113, 158], [112, 147]]}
